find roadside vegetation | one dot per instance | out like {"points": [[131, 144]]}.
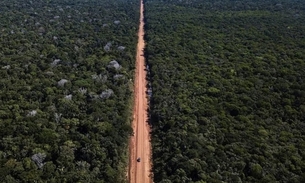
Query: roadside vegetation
{"points": [[228, 90], [66, 70]]}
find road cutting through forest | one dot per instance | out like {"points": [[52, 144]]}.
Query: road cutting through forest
{"points": [[140, 171]]}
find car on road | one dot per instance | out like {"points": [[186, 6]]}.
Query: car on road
{"points": [[138, 159]]}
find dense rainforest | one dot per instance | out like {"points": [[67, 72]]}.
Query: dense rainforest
{"points": [[228, 90], [66, 70]]}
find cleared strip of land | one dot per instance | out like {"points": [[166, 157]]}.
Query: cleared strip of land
{"points": [[139, 172]]}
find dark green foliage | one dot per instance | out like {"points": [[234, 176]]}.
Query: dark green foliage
{"points": [[227, 80], [53, 70]]}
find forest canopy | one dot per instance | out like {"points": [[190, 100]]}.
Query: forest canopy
{"points": [[228, 88], [66, 69]]}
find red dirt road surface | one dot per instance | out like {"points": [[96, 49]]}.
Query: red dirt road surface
{"points": [[140, 172]]}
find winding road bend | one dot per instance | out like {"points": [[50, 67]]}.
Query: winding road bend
{"points": [[140, 172]]}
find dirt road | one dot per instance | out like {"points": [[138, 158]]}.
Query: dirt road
{"points": [[139, 172]]}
